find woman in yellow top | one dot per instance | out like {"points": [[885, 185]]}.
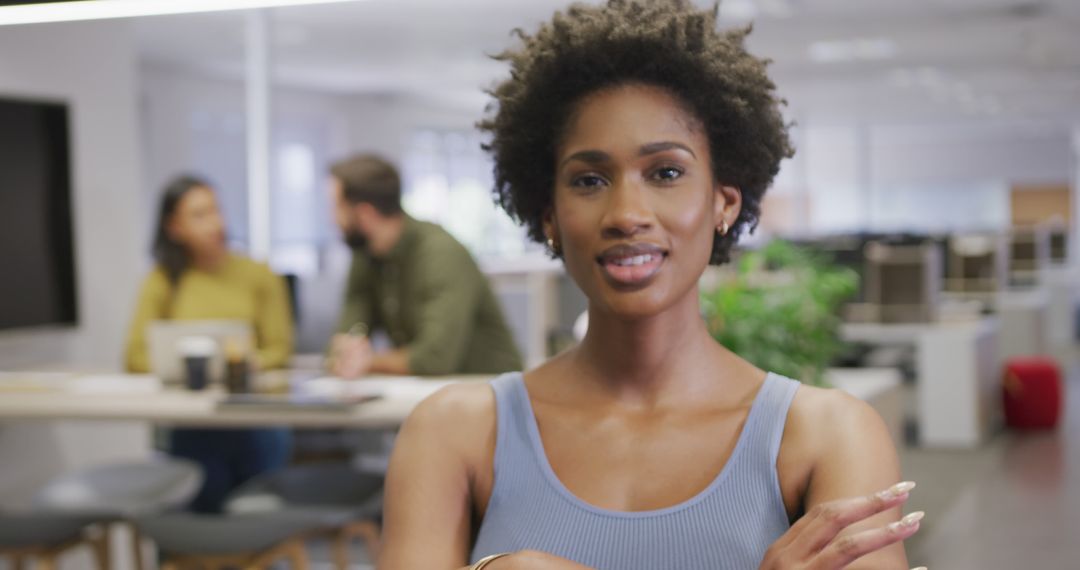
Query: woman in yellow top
{"points": [[197, 277]]}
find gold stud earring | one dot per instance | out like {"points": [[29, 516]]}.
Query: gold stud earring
{"points": [[723, 227]]}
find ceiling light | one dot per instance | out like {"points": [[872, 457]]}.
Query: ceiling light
{"points": [[929, 76], [857, 49], [963, 92], [738, 10], [990, 105], [776, 8], [104, 9], [902, 77]]}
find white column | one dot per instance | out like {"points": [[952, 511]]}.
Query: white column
{"points": [[257, 86], [1074, 241], [831, 155], [864, 177]]}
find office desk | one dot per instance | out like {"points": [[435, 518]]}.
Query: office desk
{"points": [[1024, 323], [958, 376], [142, 399], [51, 425], [1062, 284]]}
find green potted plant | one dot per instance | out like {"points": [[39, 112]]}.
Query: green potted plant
{"points": [[780, 309]]}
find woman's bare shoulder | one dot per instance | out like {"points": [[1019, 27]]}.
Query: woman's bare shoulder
{"points": [[830, 431], [460, 407], [829, 409], [822, 420]]}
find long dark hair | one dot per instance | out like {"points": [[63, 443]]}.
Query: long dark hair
{"points": [[168, 253]]}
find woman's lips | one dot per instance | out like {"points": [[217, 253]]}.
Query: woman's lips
{"points": [[631, 264]]}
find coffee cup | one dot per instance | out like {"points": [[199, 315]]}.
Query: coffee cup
{"points": [[197, 352]]}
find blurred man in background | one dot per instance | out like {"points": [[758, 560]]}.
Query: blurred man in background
{"points": [[415, 282]]}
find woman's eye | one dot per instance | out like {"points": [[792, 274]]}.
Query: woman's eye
{"points": [[667, 173], [588, 181]]}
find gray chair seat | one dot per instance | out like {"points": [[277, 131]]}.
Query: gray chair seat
{"points": [[336, 489], [124, 489], [21, 530], [212, 535]]}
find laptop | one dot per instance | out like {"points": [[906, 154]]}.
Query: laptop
{"points": [[163, 341]]}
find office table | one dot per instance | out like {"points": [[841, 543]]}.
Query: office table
{"points": [[958, 376], [53, 424], [140, 399], [133, 398]]}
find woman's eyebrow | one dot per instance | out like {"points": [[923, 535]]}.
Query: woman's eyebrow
{"points": [[653, 148], [600, 157], [589, 156]]}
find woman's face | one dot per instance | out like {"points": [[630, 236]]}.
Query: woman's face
{"points": [[197, 223], [636, 206]]}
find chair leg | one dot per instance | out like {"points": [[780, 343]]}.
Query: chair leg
{"points": [[341, 549], [371, 534], [18, 562], [100, 546], [297, 555], [47, 561], [136, 547]]}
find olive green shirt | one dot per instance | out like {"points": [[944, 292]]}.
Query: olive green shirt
{"points": [[430, 297]]}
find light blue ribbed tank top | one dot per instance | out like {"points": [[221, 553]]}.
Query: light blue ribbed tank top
{"points": [[728, 526]]}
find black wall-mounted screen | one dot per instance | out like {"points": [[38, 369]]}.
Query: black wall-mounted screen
{"points": [[37, 257]]}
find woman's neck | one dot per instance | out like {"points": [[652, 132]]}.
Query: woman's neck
{"points": [[209, 262], [638, 360]]}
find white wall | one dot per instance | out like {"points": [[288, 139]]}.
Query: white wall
{"points": [[942, 154], [192, 122], [831, 161], [91, 66], [921, 177], [385, 124]]}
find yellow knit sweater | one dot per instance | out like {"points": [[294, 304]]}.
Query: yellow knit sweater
{"points": [[241, 289]]}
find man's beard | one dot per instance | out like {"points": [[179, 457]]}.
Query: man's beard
{"points": [[356, 240]]}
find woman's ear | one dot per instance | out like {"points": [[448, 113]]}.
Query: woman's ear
{"points": [[726, 206], [173, 230], [551, 233], [550, 225]]}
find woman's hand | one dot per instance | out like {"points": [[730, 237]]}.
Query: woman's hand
{"points": [[814, 541], [533, 560]]}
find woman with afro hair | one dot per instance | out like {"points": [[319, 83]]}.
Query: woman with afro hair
{"points": [[636, 142]]}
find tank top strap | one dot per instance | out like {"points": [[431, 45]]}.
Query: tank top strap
{"points": [[764, 427], [514, 463], [511, 409]]}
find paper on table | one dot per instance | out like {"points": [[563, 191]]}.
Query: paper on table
{"points": [[115, 384], [34, 381], [74, 383], [392, 387]]}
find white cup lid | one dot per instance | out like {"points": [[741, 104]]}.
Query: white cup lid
{"points": [[197, 346]]}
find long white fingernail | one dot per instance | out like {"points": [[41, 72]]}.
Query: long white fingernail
{"points": [[897, 490], [906, 522], [919, 568], [913, 518]]}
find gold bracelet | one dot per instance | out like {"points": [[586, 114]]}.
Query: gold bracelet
{"points": [[483, 562]]}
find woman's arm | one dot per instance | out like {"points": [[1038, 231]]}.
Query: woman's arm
{"points": [[151, 305], [273, 322], [861, 460], [429, 486], [850, 454], [443, 451]]}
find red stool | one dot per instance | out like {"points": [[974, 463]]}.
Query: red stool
{"points": [[1032, 393]]}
